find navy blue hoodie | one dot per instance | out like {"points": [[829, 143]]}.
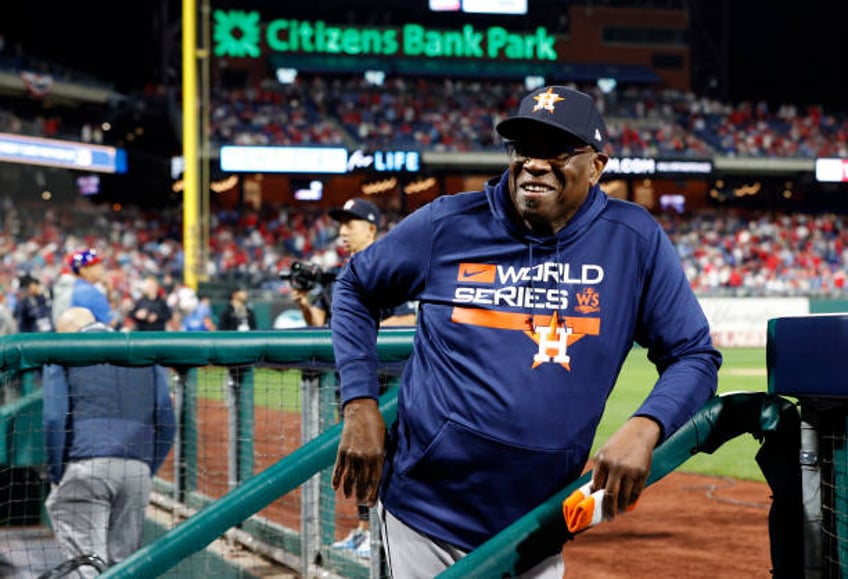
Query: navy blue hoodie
{"points": [[519, 342]]}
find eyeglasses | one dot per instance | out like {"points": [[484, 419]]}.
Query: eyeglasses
{"points": [[552, 153]]}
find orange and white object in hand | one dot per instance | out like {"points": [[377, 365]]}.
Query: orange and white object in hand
{"points": [[583, 508]]}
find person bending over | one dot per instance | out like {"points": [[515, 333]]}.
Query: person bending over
{"points": [[107, 431]]}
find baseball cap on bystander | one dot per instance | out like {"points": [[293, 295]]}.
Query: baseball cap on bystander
{"points": [[83, 258], [357, 208]]}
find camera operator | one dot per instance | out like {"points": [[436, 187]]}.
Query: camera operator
{"points": [[359, 222]]}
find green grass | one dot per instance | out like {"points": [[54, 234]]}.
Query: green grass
{"points": [[743, 370], [272, 388]]}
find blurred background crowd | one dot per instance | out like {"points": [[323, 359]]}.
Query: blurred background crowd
{"points": [[742, 249]]}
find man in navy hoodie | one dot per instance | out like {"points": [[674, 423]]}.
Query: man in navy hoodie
{"points": [[531, 294]]}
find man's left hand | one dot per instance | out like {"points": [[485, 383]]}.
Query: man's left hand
{"points": [[622, 464]]}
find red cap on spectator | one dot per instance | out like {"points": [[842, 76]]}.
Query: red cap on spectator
{"points": [[83, 258]]}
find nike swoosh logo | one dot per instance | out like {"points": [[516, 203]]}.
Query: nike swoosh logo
{"points": [[473, 272]]}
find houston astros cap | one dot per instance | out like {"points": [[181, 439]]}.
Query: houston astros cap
{"points": [[559, 108], [357, 208]]}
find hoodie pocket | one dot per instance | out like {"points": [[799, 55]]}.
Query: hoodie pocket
{"points": [[489, 478]]}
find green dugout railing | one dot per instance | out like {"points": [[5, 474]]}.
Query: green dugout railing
{"points": [[542, 531], [308, 350], [513, 551], [22, 352]]}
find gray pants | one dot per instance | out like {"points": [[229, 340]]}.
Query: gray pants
{"points": [[98, 508], [411, 555]]}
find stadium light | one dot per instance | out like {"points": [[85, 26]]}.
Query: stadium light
{"points": [[286, 75]]}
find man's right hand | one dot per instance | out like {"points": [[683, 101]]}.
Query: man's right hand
{"points": [[359, 461], [301, 297], [311, 315]]}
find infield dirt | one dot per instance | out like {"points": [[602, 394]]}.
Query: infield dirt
{"points": [[686, 526]]}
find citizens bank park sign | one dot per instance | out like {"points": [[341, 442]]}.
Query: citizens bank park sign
{"points": [[241, 34]]}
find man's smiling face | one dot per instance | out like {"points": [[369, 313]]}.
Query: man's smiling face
{"points": [[549, 180]]}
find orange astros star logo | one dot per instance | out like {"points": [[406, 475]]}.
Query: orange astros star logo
{"points": [[554, 336], [547, 100], [553, 341]]}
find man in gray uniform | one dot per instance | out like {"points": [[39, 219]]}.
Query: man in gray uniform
{"points": [[107, 430]]}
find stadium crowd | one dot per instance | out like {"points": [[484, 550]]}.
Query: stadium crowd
{"points": [[458, 115], [249, 247], [723, 252]]}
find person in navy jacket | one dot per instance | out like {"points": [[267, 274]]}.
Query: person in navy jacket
{"points": [[32, 311], [107, 431], [531, 295]]}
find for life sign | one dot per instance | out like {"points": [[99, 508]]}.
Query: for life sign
{"points": [[385, 161]]}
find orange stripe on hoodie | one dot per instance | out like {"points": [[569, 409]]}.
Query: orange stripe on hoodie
{"points": [[518, 321]]}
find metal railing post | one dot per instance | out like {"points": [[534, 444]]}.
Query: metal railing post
{"points": [[310, 505], [178, 451]]}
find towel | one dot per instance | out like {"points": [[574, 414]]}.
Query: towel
{"points": [[583, 508]]}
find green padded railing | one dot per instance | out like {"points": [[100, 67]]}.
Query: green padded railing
{"points": [[199, 530], [307, 348], [21, 352], [513, 551]]}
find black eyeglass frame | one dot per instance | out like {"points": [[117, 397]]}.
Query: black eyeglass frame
{"points": [[552, 152]]}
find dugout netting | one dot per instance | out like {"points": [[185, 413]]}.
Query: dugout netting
{"points": [[245, 491], [243, 404], [824, 470], [806, 361]]}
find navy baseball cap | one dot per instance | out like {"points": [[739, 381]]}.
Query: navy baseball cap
{"points": [[556, 109], [357, 208], [26, 280]]}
